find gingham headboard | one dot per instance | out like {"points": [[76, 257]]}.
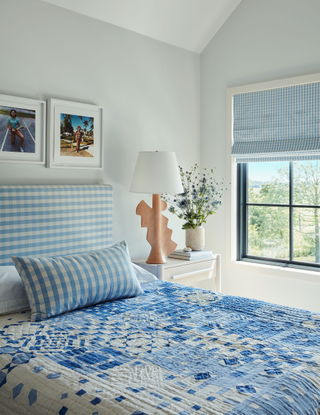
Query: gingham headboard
{"points": [[54, 220]]}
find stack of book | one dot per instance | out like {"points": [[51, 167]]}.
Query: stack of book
{"points": [[190, 256]]}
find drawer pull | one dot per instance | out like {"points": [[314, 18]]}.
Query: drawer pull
{"points": [[189, 274]]}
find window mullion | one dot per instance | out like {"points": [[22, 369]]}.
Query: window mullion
{"points": [[291, 210], [242, 211], [245, 209]]}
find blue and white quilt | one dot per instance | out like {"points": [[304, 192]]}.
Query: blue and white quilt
{"points": [[172, 350]]}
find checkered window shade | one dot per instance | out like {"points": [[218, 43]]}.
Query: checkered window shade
{"points": [[280, 124]]}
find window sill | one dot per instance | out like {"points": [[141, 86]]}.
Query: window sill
{"points": [[294, 267], [277, 270]]}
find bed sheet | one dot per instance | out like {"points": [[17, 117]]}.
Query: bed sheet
{"points": [[172, 350]]}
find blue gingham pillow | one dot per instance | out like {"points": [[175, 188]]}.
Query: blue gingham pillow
{"points": [[59, 284]]}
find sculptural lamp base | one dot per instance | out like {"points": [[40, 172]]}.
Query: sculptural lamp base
{"points": [[156, 257], [158, 235]]}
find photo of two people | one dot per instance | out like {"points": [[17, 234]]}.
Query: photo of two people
{"points": [[76, 135]]}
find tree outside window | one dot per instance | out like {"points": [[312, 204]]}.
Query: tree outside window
{"points": [[281, 211]]}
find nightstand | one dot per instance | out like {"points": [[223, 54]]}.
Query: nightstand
{"points": [[201, 273]]}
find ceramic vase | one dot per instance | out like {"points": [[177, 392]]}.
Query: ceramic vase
{"points": [[195, 238]]}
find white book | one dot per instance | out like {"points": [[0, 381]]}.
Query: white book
{"points": [[191, 254], [172, 256]]}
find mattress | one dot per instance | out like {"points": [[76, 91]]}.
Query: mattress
{"points": [[172, 350]]}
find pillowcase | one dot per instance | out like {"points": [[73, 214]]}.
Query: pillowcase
{"points": [[143, 275], [59, 284], [13, 297]]}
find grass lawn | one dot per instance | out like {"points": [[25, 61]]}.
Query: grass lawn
{"points": [[67, 150], [310, 258], [19, 114]]}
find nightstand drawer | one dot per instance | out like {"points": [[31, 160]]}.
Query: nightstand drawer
{"points": [[188, 274], [200, 273]]}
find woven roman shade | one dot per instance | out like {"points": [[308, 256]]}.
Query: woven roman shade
{"points": [[281, 124]]}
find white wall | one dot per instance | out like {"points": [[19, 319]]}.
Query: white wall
{"points": [[261, 41], [149, 90]]}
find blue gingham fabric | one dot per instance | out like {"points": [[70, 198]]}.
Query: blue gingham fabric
{"points": [[173, 350], [51, 220], [280, 124], [59, 284]]}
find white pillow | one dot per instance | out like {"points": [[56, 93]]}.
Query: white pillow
{"points": [[143, 275], [13, 297]]}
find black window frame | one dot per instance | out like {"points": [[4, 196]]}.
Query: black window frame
{"points": [[242, 221]]}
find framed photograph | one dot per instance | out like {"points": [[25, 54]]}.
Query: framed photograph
{"points": [[75, 135], [22, 130]]}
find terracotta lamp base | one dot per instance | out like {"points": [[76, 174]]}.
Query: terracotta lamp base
{"points": [[158, 234]]}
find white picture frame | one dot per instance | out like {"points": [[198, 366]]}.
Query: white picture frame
{"points": [[65, 117], [31, 114]]}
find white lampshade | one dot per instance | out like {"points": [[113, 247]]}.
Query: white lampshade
{"points": [[156, 172]]}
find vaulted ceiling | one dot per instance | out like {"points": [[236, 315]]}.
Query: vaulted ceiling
{"points": [[189, 24]]}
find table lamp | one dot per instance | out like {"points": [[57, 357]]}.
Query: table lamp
{"points": [[156, 172]]}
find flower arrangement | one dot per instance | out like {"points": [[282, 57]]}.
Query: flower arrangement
{"points": [[201, 197]]}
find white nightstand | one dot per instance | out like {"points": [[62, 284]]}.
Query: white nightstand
{"points": [[202, 273]]}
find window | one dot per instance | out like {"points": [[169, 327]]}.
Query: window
{"points": [[279, 212], [273, 173]]}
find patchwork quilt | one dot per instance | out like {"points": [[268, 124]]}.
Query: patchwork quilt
{"points": [[172, 350]]}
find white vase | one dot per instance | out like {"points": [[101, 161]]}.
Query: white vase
{"points": [[195, 238]]}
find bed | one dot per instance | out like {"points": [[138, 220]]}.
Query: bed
{"points": [[171, 350]]}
